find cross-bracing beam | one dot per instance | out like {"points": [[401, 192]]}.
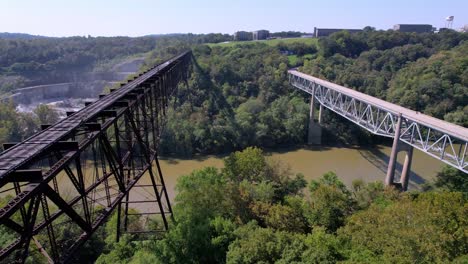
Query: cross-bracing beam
{"points": [[103, 152], [440, 139]]}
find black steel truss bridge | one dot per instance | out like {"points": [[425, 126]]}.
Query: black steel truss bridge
{"points": [[107, 152]]}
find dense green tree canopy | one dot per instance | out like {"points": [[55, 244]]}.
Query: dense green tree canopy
{"points": [[226, 219], [255, 210]]}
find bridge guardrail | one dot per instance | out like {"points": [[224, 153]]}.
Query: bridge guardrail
{"points": [[437, 138]]}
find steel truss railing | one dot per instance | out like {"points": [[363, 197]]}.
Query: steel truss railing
{"points": [[439, 139], [103, 151]]}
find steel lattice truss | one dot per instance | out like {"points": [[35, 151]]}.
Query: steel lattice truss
{"points": [[442, 140], [107, 152]]}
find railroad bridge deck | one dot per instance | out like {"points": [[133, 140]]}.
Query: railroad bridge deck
{"points": [[103, 150]]}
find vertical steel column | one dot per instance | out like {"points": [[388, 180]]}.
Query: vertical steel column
{"points": [[393, 156], [117, 235], [405, 174], [86, 141]]}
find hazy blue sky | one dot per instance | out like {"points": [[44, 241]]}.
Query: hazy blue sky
{"points": [[142, 17]]}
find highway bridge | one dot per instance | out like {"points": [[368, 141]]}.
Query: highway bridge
{"points": [[104, 151], [409, 129]]}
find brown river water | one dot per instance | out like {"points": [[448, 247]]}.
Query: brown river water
{"points": [[349, 163], [368, 164]]}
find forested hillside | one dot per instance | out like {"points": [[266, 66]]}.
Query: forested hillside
{"points": [[33, 60], [239, 96], [38, 60], [255, 211], [426, 73]]}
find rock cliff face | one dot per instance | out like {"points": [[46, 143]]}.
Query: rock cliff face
{"points": [[30, 95], [71, 96], [89, 85], [129, 65]]}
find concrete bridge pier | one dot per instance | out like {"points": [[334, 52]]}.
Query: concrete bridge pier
{"points": [[315, 130], [406, 171]]}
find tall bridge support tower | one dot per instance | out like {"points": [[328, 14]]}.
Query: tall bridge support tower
{"points": [[73, 175]]}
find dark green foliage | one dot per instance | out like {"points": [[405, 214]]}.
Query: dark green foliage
{"points": [[34, 60], [15, 126], [437, 86], [452, 180], [330, 202], [254, 210], [429, 228], [424, 72], [236, 216], [237, 97]]}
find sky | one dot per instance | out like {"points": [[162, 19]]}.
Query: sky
{"points": [[61, 18]]}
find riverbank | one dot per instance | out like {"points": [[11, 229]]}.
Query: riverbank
{"points": [[348, 162]]}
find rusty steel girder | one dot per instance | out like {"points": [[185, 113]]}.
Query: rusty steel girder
{"points": [[103, 152]]}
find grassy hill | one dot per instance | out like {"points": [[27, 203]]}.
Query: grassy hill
{"points": [[271, 42]]}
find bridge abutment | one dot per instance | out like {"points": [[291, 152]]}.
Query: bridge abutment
{"points": [[315, 130]]}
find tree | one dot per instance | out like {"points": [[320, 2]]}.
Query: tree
{"points": [[250, 164], [263, 245], [425, 228], [452, 179], [46, 114], [199, 235], [286, 218], [330, 202], [322, 247]]}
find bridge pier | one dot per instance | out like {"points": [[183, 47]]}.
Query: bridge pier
{"points": [[440, 139], [320, 114], [406, 171], [315, 130]]}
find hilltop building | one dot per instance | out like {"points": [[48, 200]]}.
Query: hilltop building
{"points": [[324, 32], [417, 28], [242, 36], [260, 34]]}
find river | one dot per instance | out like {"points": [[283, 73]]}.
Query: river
{"points": [[349, 163]]}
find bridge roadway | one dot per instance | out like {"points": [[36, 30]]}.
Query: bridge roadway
{"points": [[20, 154], [429, 121], [443, 140]]}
